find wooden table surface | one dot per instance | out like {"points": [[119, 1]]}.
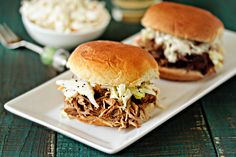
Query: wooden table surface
{"points": [[206, 128]]}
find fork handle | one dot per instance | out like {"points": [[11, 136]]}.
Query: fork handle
{"points": [[32, 47], [56, 58]]}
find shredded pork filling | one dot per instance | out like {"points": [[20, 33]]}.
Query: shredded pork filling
{"points": [[110, 111], [198, 62], [170, 51]]}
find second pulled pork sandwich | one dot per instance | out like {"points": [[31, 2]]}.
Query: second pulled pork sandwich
{"points": [[114, 84], [186, 41]]}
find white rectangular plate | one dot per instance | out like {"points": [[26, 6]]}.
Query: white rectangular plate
{"points": [[44, 103]]}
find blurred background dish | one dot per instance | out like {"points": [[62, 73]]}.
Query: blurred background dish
{"points": [[59, 39], [64, 24], [130, 11]]}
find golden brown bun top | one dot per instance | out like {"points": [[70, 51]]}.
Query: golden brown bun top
{"points": [[183, 21], [112, 63]]}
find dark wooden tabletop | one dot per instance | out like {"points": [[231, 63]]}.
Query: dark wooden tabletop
{"points": [[206, 128]]}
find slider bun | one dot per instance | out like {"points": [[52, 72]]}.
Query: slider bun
{"points": [[181, 74], [183, 21], [112, 63]]}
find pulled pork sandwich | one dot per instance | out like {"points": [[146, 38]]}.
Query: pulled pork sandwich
{"points": [[114, 84], [185, 41]]}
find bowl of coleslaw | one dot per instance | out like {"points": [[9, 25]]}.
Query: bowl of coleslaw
{"points": [[64, 24]]}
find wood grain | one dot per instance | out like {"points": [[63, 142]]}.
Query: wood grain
{"points": [[220, 112], [20, 71]]}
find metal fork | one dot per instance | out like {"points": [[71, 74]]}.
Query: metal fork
{"points": [[49, 56], [10, 40]]}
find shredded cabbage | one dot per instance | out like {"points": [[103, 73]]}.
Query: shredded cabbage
{"points": [[65, 15], [74, 86], [174, 45], [216, 58], [137, 93], [114, 93], [122, 93]]}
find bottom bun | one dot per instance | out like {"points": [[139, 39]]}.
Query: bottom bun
{"points": [[179, 74]]}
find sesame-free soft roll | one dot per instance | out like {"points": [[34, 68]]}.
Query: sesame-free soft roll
{"points": [[186, 41], [114, 84]]}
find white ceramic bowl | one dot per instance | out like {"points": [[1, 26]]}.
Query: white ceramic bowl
{"points": [[55, 39]]}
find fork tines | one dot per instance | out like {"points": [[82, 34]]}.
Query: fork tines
{"points": [[7, 35]]}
